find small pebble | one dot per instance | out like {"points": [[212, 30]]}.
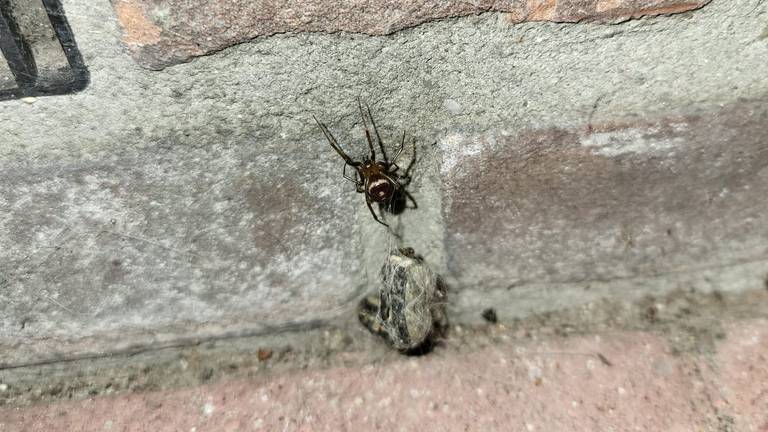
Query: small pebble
{"points": [[264, 354], [490, 315]]}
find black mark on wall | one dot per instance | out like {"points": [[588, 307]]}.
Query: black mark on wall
{"points": [[39, 50]]}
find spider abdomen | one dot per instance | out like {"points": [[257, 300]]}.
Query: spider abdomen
{"points": [[380, 189]]}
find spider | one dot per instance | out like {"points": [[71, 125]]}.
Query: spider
{"points": [[378, 180]]}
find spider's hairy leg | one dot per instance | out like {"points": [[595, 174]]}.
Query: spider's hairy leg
{"points": [[335, 144], [368, 203], [359, 183], [367, 132], [376, 132], [347, 176], [400, 149]]}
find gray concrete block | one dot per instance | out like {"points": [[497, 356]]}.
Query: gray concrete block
{"points": [[201, 201]]}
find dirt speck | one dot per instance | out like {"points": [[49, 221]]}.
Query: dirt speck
{"points": [[264, 354], [490, 316]]}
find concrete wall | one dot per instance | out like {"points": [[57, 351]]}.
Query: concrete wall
{"points": [[190, 195]]}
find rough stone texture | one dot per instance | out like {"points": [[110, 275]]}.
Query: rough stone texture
{"points": [[106, 245], [618, 381], [620, 200], [740, 373], [201, 201], [165, 32]]}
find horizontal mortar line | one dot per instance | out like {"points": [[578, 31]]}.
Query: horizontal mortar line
{"points": [[179, 343], [182, 342], [310, 325], [317, 323], [681, 270], [292, 327]]}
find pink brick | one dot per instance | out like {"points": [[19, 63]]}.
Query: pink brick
{"points": [[164, 32], [550, 385], [740, 373]]}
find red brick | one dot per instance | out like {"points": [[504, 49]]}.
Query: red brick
{"points": [[164, 32], [557, 384]]}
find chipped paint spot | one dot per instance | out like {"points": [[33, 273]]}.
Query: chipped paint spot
{"points": [[138, 29], [451, 146], [630, 140], [605, 5], [457, 148], [542, 10], [452, 106]]}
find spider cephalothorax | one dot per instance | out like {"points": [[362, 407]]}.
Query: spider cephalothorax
{"points": [[378, 180]]}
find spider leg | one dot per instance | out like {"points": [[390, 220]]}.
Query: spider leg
{"points": [[400, 149], [367, 132], [376, 132], [368, 203], [332, 141], [344, 173], [405, 181], [359, 183]]}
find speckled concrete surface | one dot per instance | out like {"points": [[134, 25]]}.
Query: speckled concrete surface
{"points": [[612, 381], [201, 201]]}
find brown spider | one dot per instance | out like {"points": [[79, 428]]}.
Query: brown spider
{"points": [[377, 179]]}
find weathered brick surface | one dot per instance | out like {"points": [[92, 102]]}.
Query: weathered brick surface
{"points": [[740, 372], [676, 194], [164, 32], [166, 207], [636, 382]]}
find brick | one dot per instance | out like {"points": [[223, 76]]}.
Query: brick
{"points": [[741, 374], [607, 201], [555, 384], [160, 33]]}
